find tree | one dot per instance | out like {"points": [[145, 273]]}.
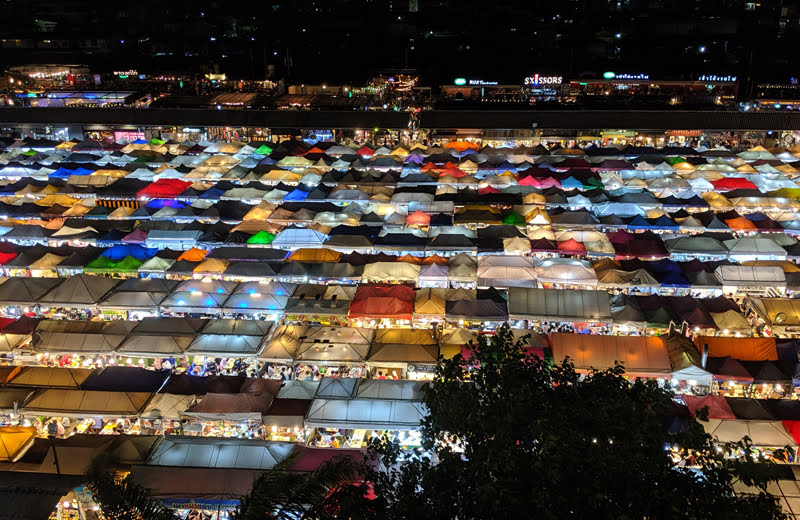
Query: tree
{"points": [[283, 494], [120, 498], [533, 440]]}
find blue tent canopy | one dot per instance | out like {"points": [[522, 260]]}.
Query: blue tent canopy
{"points": [[296, 195], [120, 251], [673, 279], [211, 194], [571, 182], [166, 203], [639, 222], [663, 222]]}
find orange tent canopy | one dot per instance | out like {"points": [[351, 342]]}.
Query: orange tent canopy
{"points": [[460, 146], [314, 255], [410, 259], [743, 349], [418, 218], [435, 259], [740, 224], [642, 356], [194, 255]]}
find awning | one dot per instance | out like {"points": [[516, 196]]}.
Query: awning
{"points": [[204, 452], [369, 414], [744, 349], [85, 403], [558, 305], [641, 356]]}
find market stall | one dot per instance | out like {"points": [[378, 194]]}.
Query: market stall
{"points": [[403, 354], [580, 310]]}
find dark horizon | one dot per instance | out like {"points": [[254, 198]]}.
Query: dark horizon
{"points": [[337, 41]]}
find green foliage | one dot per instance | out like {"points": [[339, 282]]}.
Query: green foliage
{"points": [[120, 498], [533, 440], [284, 494]]}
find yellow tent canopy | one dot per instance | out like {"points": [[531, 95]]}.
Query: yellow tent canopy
{"points": [[430, 302], [211, 266], [14, 441]]}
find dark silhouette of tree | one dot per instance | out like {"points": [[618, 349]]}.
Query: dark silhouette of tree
{"points": [[512, 436]]}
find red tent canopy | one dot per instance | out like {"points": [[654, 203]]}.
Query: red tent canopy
{"points": [[314, 150], [5, 322], [487, 190], [793, 427], [718, 407], [530, 180], [571, 247], [309, 459], [6, 257], [164, 189], [733, 183], [549, 182], [453, 172], [137, 236], [383, 301], [366, 151]]}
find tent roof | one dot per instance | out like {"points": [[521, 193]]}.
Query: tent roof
{"points": [[47, 377], [642, 356], [744, 349], [79, 290], [370, 414], [82, 403], [216, 453], [558, 304]]}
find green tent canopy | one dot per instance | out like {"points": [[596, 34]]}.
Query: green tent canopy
{"points": [[103, 264], [157, 142], [675, 160], [128, 264], [262, 237], [514, 219], [592, 183], [100, 264], [263, 150]]}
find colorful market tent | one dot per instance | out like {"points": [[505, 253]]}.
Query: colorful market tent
{"points": [[744, 349], [641, 356]]}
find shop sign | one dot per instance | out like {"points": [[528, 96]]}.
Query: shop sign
{"points": [[200, 504], [715, 78], [536, 80], [685, 133], [123, 74], [618, 133], [609, 75], [460, 82], [631, 76], [481, 83], [430, 369]]}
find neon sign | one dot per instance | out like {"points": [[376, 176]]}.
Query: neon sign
{"points": [[713, 77], [536, 79], [631, 76], [481, 83]]}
